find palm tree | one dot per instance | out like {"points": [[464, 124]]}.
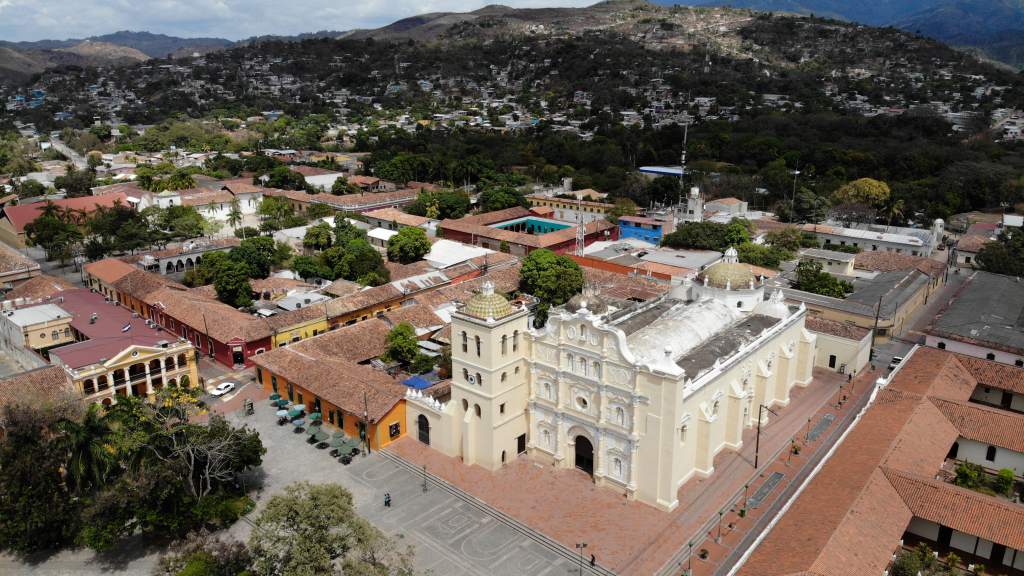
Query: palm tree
{"points": [[90, 457], [894, 211], [235, 214]]}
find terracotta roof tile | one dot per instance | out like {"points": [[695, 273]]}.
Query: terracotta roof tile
{"points": [[881, 261], [835, 328], [961, 509], [395, 215], [140, 284], [420, 317], [109, 270], [22, 214], [984, 424], [42, 286], [13, 261], [994, 374], [49, 383]]}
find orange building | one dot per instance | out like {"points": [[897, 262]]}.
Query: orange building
{"points": [[324, 374]]}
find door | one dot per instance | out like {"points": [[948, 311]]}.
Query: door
{"points": [[423, 429], [1007, 400], [237, 356], [584, 455], [521, 444], [831, 360], [945, 535]]}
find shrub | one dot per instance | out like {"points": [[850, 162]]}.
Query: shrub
{"points": [[906, 564], [1003, 482], [968, 475]]}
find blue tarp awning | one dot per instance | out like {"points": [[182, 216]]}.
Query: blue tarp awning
{"points": [[417, 382]]}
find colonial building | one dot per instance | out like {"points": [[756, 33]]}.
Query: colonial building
{"points": [[641, 396]]}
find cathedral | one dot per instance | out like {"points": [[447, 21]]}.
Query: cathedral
{"points": [[641, 396]]}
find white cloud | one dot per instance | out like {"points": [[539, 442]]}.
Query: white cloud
{"points": [[232, 19]]}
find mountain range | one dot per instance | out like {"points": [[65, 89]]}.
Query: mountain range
{"points": [[995, 27]]}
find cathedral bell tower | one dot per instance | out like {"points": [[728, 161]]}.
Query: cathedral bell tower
{"points": [[489, 389]]}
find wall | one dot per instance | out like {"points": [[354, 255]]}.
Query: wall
{"points": [[994, 396], [854, 354], [974, 452], [302, 331], [378, 433], [974, 350]]}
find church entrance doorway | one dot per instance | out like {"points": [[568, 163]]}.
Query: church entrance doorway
{"points": [[423, 427], [584, 455]]}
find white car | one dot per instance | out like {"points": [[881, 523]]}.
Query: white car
{"points": [[895, 362], [223, 388]]}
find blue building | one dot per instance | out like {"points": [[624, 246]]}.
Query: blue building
{"points": [[646, 229]]}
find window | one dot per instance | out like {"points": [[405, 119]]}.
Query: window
{"points": [[479, 379], [394, 430], [503, 376], [1019, 363], [831, 360], [477, 339], [42, 335], [504, 344], [501, 409], [502, 456], [990, 356], [465, 342], [583, 331], [465, 405], [739, 304], [476, 408], [714, 409], [547, 390], [515, 340], [596, 369], [990, 454], [67, 332], [682, 433], [617, 467], [582, 403], [259, 373], [516, 371], [583, 366], [465, 375], [273, 382], [546, 435], [572, 361], [941, 345], [620, 416]]}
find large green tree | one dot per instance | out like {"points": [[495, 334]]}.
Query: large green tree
{"points": [[408, 246], [232, 284], [552, 278]]}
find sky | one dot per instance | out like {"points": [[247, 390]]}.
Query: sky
{"points": [[232, 19]]}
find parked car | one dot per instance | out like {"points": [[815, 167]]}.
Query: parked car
{"points": [[895, 362], [223, 388]]}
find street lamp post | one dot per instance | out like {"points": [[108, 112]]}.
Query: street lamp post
{"points": [[757, 444], [580, 546]]}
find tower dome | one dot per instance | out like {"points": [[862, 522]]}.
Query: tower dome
{"points": [[729, 273], [487, 304]]}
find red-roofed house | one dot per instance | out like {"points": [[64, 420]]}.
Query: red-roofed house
{"points": [[14, 218]]}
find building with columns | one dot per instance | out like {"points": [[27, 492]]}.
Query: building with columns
{"points": [[640, 396], [116, 352]]}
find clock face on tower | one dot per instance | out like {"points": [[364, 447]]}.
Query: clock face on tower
{"points": [[472, 379]]}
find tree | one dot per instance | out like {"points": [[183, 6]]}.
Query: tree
{"points": [[790, 239], [85, 443], [761, 255], [810, 278], [623, 207], [341, 186], [309, 267], [282, 178], [403, 347], [500, 198], [408, 246], [259, 254], [232, 284], [235, 214], [552, 278], [1003, 256], [75, 182], [309, 530], [708, 235], [36, 510], [345, 230], [200, 554], [319, 236], [866, 191], [54, 231], [29, 189], [664, 189]]}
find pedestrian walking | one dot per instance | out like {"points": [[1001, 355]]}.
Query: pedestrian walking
{"points": [[387, 500], [593, 561]]}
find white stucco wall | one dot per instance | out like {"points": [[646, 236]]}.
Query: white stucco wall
{"points": [[974, 452], [973, 350], [854, 354]]}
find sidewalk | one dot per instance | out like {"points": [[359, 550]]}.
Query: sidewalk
{"points": [[725, 542], [629, 537]]}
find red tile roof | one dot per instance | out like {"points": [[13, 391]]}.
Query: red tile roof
{"points": [[994, 374], [109, 270], [22, 214], [881, 261], [47, 384], [836, 328], [851, 516], [42, 286], [395, 215], [984, 424]]}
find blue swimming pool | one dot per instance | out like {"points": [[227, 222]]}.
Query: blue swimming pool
{"points": [[532, 225]]}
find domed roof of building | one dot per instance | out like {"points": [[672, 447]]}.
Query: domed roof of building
{"points": [[487, 304], [590, 300], [729, 273]]}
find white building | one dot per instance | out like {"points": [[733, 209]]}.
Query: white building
{"points": [[641, 396]]}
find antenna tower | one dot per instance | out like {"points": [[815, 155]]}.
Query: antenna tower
{"points": [[580, 232]]}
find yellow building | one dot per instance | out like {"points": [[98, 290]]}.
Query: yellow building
{"points": [[36, 327]]}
